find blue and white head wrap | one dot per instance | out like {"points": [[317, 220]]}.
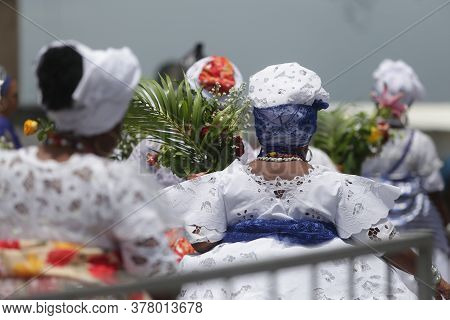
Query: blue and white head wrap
{"points": [[286, 99]]}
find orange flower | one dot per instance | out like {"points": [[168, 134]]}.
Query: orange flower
{"points": [[30, 127]]}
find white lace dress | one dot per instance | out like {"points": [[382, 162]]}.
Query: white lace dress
{"points": [[85, 200], [358, 208], [417, 175]]}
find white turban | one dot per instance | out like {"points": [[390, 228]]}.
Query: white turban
{"points": [[287, 83], [399, 77], [104, 91]]}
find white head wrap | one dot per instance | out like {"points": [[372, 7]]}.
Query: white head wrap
{"points": [[194, 71], [399, 77], [104, 91], [286, 99], [287, 83]]}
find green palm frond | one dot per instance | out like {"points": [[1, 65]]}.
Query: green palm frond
{"points": [[196, 135], [346, 138]]}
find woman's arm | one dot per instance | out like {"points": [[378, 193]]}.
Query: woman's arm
{"points": [[406, 261], [203, 247]]}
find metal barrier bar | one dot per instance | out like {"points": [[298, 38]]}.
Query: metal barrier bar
{"points": [[388, 281], [313, 280], [423, 269], [351, 278], [422, 241]]}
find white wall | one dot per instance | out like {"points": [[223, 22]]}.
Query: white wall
{"points": [[324, 35]]}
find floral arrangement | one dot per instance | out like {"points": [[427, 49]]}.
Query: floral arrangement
{"points": [[350, 139], [218, 70], [196, 134], [42, 127]]}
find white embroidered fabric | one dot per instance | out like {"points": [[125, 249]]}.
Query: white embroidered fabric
{"points": [[287, 83], [138, 157], [86, 198], [223, 198], [357, 206], [422, 160]]}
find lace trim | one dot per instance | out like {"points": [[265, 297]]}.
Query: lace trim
{"points": [[279, 182]]}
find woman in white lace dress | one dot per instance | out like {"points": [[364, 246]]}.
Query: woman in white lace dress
{"points": [[409, 160], [280, 205], [69, 217]]}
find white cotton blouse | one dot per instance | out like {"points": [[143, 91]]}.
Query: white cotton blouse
{"points": [[84, 199], [212, 202]]}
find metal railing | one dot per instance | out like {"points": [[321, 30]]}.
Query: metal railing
{"points": [[421, 241]]}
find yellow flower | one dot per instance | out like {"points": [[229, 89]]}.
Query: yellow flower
{"points": [[30, 127], [375, 135], [65, 245], [32, 266]]}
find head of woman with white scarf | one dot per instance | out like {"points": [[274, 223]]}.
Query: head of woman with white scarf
{"points": [[286, 99], [86, 93], [396, 87]]}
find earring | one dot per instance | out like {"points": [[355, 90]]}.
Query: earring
{"points": [[310, 155]]}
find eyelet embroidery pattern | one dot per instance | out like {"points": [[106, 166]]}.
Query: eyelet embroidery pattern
{"points": [[74, 201], [282, 189]]}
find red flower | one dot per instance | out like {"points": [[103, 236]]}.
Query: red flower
{"points": [[60, 257], [112, 259], [182, 247], [9, 244], [204, 131], [152, 159], [218, 70], [104, 272], [104, 266]]}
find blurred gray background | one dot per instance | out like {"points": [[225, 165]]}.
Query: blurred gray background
{"points": [[323, 35]]}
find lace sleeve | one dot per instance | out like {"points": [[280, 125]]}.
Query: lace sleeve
{"points": [[148, 257], [382, 230], [200, 203], [362, 204], [138, 228]]}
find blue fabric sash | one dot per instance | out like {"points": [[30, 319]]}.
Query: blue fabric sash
{"points": [[403, 156], [304, 231]]}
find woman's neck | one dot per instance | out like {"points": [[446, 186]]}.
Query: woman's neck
{"points": [[284, 170], [56, 153]]}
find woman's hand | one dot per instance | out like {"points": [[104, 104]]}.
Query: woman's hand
{"points": [[443, 290]]}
